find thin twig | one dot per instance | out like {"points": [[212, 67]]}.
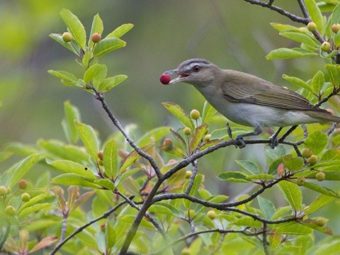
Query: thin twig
{"points": [[192, 177], [264, 239], [303, 8], [117, 124], [78, 230]]}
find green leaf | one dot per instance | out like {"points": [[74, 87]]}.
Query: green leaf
{"points": [[197, 182], [316, 141], [301, 38], [293, 163], [283, 27], [95, 73], [44, 197], [97, 27], [218, 198], [75, 26], [153, 136], [130, 159], [178, 112], [89, 138], [266, 206], [34, 208], [110, 158], [74, 179], [293, 228], [318, 203], [59, 39], [315, 14], [317, 82], [197, 137], [110, 235], [249, 166], [297, 82], [72, 116], [111, 82], [68, 166], [120, 31], [20, 169], [233, 176], [66, 78], [287, 53], [108, 45], [105, 183], [334, 73], [208, 112], [292, 194], [323, 190]]}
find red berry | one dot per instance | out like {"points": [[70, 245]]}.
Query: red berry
{"points": [[165, 78]]}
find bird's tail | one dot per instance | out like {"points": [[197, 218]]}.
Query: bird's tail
{"points": [[324, 116]]}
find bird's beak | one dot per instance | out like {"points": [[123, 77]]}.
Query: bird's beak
{"points": [[175, 76]]}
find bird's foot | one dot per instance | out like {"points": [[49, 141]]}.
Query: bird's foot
{"points": [[239, 142], [273, 142]]}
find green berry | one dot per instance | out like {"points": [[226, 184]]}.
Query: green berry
{"points": [[25, 197], [187, 131], [320, 221], [188, 174], [211, 214], [186, 251], [10, 210], [195, 114], [325, 46], [191, 213], [311, 26], [3, 190], [312, 160], [207, 138], [300, 181], [320, 176], [306, 153], [67, 37], [96, 37]]}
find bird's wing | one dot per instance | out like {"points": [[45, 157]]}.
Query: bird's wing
{"points": [[254, 90]]}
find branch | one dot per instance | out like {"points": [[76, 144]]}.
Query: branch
{"points": [[283, 12], [264, 239], [78, 230], [192, 177], [117, 124], [303, 8]]}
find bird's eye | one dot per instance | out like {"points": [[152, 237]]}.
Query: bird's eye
{"points": [[196, 68]]}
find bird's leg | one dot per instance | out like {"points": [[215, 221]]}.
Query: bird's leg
{"points": [[239, 139], [229, 131], [273, 139], [332, 128]]}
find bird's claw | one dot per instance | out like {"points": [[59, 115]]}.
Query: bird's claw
{"points": [[273, 142], [239, 142]]}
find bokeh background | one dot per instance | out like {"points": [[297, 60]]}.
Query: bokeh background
{"points": [[230, 33]]}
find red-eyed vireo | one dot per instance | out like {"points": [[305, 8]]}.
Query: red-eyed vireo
{"points": [[247, 99]]}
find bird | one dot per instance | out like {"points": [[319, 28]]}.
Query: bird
{"points": [[247, 99]]}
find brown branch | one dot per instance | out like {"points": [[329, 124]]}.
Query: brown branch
{"points": [[192, 177]]}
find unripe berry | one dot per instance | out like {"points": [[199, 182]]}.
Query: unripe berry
{"points": [[311, 26], [335, 28], [300, 181], [165, 78], [186, 251], [25, 197], [211, 214], [325, 46], [207, 138], [320, 221], [320, 176], [312, 160], [10, 210], [3, 190], [187, 131], [167, 144], [188, 174], [96, 37], [67, 37], [191, 213], [195, 114], [22, 184], [306, 153]]}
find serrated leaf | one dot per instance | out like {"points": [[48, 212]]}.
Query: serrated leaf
{"points": [[266, 206], [110, 158], [68, 166], [96, 27], [315, 14], [323, 190], [287, 53], [318, 203], [20, 169], [292, 194], [179, 113], [233, 176], [197, 137], [75, 26], [72, 116], [59, 39], [108, 45], [153, 135], [111, 82], [316, 141], [95, 74], [74, 179], [249, 166], [89, 138], [120, 31], [66, 78]]}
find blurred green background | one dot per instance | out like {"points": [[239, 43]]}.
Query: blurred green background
{"points": [[232, 34]]}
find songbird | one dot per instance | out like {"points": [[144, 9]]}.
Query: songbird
{"points": [[247, 99]]}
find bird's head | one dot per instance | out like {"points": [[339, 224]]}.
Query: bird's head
{"points": [[196, 71]]}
